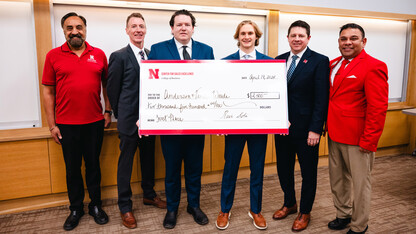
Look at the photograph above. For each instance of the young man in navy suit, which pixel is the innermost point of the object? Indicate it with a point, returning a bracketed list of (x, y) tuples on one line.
[(248, 35), (123, 92), (188, 148), (307, 86)]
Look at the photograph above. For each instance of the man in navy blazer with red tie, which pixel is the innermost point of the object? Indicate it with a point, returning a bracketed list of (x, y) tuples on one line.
[(307, 86), (188, 148)]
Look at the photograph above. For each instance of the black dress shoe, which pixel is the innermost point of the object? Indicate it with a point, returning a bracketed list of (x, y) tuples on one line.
[(73, 219), (198, 214), (352, 232), (339, 224), (170, 219), (100, 217)]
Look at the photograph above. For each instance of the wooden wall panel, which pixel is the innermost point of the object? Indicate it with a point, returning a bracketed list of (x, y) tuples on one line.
[(273, 33), (323, 145), (411, 87), (271, 141), (270, 151), (24, 169), (110, 153), (217, 150), (43, 42), (57, 164), (108, 161), (396, 130)]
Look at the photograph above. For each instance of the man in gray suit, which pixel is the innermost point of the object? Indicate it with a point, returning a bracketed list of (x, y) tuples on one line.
[(123, 92)]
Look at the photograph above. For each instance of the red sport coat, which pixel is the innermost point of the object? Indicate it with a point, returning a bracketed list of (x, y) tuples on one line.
[(358, 102)]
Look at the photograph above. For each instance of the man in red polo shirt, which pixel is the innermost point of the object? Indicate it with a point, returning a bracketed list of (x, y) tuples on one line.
[(72, 77)]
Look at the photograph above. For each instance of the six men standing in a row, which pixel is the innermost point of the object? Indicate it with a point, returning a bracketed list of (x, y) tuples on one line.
[(354, 85)]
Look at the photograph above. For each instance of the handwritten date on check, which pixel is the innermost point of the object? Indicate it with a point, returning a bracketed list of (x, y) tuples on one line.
[(213, 97)]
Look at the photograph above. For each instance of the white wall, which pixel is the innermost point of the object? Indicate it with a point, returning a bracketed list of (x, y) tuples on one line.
[(108, 33), (386, 41)]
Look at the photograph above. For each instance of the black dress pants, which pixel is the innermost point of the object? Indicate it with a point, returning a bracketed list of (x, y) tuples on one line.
[(128, 147), (287, 148), (82, 141)]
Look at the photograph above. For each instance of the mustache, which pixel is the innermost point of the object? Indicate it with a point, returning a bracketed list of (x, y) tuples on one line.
[(76, 35)]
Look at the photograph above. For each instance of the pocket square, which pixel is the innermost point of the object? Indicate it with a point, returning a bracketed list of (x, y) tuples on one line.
[(352, 76)]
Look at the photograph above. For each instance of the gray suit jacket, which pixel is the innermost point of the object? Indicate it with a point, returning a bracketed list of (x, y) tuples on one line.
[(123, 88)]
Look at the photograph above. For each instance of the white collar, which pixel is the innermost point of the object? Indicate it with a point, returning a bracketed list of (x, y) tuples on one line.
[(252, 54), (136, 49), (179, 45), (300, 54), (342, 59)]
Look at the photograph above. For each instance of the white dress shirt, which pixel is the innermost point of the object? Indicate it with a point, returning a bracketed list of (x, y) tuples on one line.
[(252, 55), (136, 51), (289, 60), (336, 68), (180, 48)]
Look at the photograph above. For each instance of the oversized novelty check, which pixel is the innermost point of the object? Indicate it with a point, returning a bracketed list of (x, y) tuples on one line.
[(213, 97)]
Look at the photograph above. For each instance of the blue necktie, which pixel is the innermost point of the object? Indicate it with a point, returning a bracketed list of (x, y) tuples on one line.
[(246, 57), (292, 67)]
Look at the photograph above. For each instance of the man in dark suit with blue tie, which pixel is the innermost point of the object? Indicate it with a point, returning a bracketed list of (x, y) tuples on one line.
[(188, 148), (248, 35), (307, 86), (123, 92)]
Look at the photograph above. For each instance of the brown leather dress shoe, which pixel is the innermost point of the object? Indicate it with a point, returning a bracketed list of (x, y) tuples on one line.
[(285, 211), (223, 220), (301, 222), (128, 220), (258, 220), (159, 203)]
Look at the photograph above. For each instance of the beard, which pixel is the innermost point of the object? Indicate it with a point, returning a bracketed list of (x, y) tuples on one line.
[(76, 41)]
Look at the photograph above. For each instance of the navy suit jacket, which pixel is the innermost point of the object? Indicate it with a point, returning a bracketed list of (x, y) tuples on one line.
[(167, 50), (308, 91), (123, 88), (236, 56)]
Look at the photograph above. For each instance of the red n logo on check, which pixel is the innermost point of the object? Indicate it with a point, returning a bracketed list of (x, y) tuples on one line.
[(153, 73)]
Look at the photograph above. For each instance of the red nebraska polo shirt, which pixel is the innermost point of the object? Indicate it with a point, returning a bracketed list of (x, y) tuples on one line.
[(78, 83)]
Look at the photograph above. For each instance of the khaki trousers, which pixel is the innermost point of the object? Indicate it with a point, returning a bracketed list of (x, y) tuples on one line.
[(350, 179)]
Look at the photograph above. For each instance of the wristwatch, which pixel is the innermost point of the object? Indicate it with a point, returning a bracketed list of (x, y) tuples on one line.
[(108, 111)]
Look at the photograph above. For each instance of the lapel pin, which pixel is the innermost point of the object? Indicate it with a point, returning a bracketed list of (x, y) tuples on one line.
[(305, 61)]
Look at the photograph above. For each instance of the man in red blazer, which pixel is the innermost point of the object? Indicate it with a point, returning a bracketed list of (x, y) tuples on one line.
[(358, 99)]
